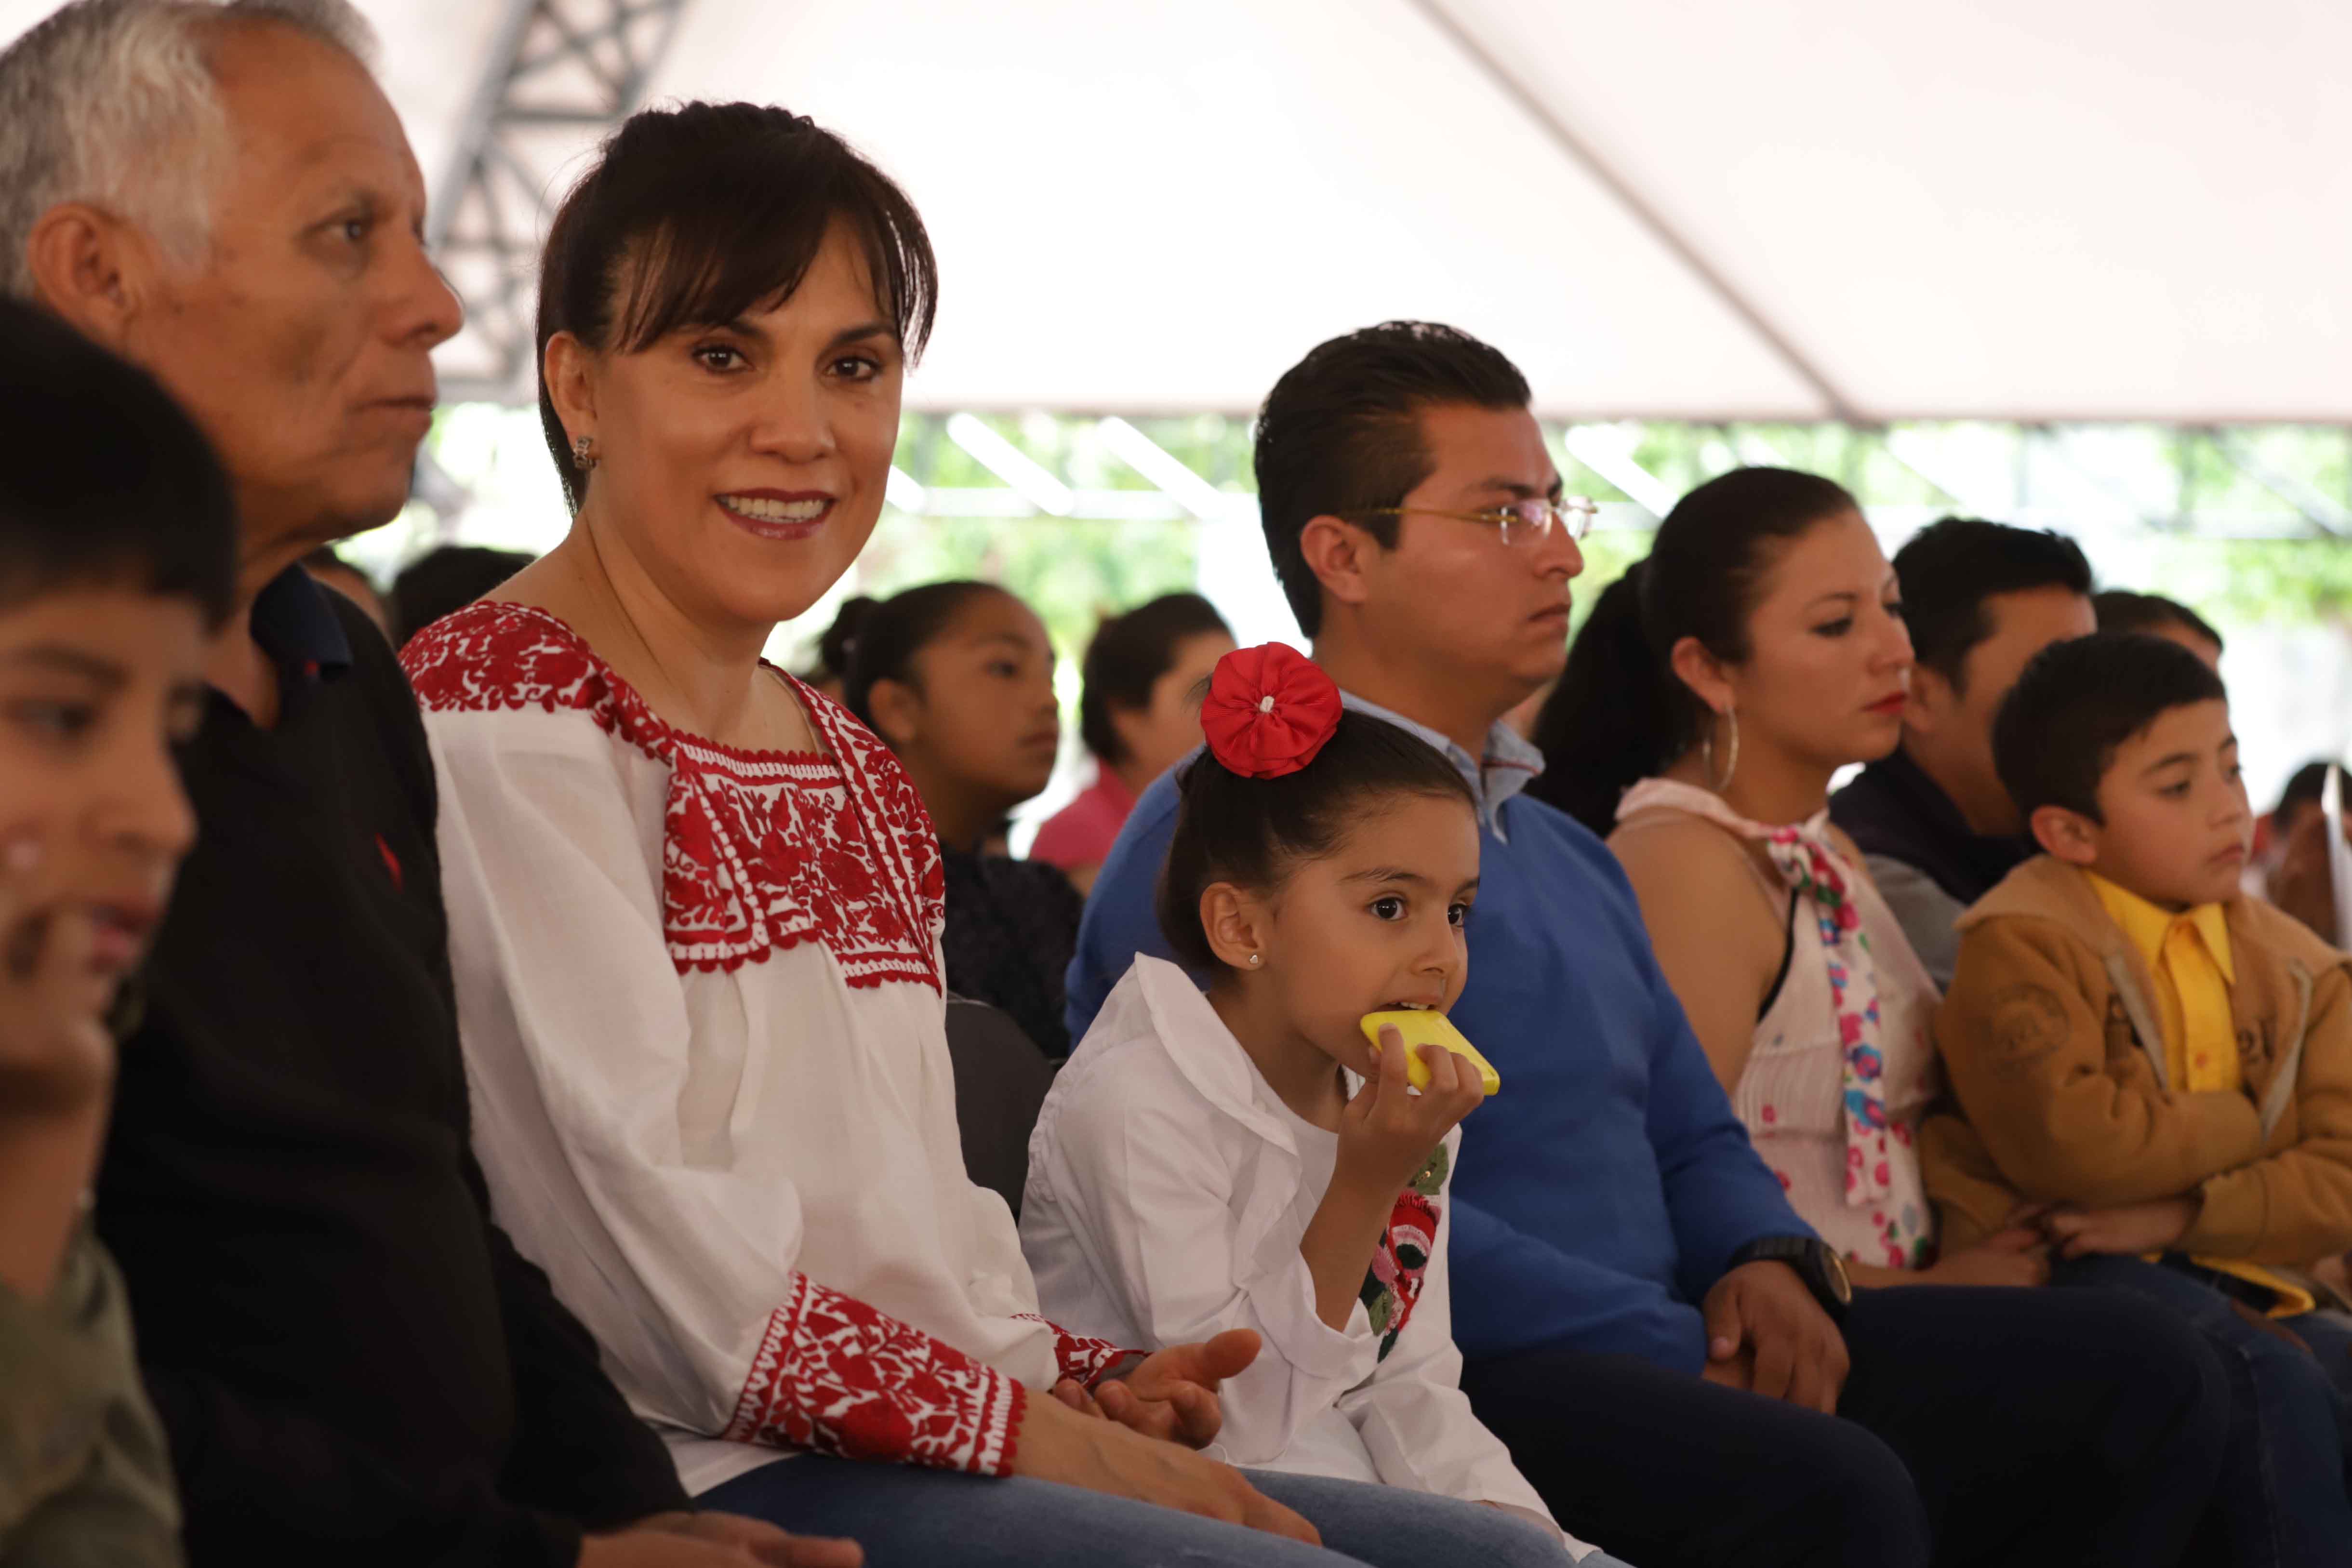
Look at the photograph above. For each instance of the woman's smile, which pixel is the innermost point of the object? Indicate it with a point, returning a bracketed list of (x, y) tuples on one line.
[(777, 514)]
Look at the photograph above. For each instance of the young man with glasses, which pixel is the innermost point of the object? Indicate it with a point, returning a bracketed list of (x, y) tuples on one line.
[(1674, 1359)]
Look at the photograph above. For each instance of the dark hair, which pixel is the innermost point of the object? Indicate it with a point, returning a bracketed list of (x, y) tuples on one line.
[(1950, 568), (448, 579), (2058, 728), (1252, 832), (2303, 789), (1127, 659), (873, 640), (1619, 713), (1340, 434), (2120, 610), (696, 214), (103, 479)]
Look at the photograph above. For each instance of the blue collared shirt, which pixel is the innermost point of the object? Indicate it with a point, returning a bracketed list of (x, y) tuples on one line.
[(297, 627), (1510, 765)]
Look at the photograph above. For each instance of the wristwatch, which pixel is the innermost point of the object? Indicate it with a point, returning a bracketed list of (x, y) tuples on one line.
[(1816, 1263)]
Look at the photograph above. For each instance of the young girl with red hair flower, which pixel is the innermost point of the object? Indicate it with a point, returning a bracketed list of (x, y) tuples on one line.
[(1244, 1158)]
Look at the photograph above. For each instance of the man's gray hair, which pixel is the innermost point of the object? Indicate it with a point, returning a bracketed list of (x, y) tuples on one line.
[(113, 102)]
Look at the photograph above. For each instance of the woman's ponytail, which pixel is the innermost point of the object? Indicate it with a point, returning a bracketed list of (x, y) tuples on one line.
[(1614, 717)]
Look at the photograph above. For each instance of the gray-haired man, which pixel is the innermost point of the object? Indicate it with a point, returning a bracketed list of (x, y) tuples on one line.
[(348, 1354)]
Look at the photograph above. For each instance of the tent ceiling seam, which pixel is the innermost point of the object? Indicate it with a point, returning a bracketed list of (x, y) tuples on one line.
[(1579, 151)]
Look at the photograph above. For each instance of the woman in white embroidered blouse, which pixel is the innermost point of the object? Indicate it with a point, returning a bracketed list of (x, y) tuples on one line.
[(695, 913), (1786, 659)]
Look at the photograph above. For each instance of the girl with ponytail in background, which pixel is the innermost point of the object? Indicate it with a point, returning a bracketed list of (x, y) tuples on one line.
[(957, 680)]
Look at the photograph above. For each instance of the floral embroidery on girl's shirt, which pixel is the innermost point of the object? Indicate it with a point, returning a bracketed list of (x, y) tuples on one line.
[(1392, 1284)]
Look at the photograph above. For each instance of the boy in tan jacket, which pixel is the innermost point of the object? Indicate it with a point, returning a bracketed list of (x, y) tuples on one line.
[(2159, 1067)]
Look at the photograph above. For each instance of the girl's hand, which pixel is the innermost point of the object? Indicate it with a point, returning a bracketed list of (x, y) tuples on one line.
[(1172, 1394), (1387, 1131), (2019, 1255), (2129, 1229)]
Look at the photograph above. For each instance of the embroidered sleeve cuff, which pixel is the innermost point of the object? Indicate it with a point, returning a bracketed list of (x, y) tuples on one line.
[(834, 1375), (1089, 1361)]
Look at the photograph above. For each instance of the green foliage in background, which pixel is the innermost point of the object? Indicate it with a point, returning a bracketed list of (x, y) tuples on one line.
[(2271, 582)]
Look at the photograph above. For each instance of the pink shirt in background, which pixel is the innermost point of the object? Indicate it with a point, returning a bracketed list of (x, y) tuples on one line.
[(1082, 832)]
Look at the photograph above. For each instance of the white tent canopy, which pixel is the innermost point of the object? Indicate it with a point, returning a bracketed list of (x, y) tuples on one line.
[(1735, 209)]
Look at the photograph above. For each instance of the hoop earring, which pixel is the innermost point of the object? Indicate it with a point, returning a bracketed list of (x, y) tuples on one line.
[(1706, 751), (584, 454)]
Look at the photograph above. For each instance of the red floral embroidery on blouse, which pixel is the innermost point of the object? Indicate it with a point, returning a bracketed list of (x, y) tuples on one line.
[(835, 1375), (1392, 1285), (760, 850), (1079, 1356)]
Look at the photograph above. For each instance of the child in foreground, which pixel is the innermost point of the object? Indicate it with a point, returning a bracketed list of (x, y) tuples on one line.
[(116, 566), (2168, 1061), (1202, 1163)]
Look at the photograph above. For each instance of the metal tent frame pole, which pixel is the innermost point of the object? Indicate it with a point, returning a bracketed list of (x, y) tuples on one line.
[(559, 73)]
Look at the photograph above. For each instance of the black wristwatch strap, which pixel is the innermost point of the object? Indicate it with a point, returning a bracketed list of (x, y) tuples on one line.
[(1814, 1263)]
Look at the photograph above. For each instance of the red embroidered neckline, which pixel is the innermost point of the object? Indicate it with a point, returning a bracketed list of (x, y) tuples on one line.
[(762, 849)]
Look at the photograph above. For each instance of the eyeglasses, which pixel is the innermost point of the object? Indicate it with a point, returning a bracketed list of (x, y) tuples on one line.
[(1525, 523)]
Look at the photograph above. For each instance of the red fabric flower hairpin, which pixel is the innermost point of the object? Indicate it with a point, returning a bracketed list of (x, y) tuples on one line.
[(1269, 710)]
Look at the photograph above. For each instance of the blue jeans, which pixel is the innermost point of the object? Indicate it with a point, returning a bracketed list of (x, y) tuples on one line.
[(2281, 1501), (1978, 1428), (936, 1518)]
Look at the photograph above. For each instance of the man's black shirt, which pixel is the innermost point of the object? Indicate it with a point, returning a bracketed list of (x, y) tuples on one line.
[(345, 1350)]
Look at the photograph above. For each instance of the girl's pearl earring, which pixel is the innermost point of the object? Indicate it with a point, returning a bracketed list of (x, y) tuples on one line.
[(1253, 960)]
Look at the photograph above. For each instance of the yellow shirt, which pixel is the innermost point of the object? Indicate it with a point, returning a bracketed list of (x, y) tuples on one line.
[(2189, 955)]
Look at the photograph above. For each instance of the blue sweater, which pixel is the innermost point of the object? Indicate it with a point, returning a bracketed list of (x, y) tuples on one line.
[(1607, 1186)]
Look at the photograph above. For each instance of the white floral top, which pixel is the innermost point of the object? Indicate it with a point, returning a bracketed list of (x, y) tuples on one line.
[(700, 993), (1848, 1161)]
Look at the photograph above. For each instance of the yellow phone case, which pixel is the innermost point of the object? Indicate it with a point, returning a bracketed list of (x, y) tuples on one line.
[(1422, 1029)]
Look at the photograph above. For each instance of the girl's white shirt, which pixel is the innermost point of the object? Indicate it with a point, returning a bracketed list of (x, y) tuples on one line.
[(1166, 1199)]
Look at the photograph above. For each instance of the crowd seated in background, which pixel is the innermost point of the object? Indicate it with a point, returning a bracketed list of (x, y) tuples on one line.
[(1628, 1272), (2121, 610), (1936, 829), (117, 558), (2299, 801), (2291, 866), (1139, 714), (2133, 1037), (1819, 1026), (444, 580), (958, 680)]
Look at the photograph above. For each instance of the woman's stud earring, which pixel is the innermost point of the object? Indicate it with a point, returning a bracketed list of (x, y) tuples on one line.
[(1253, 960), (584, 453)]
